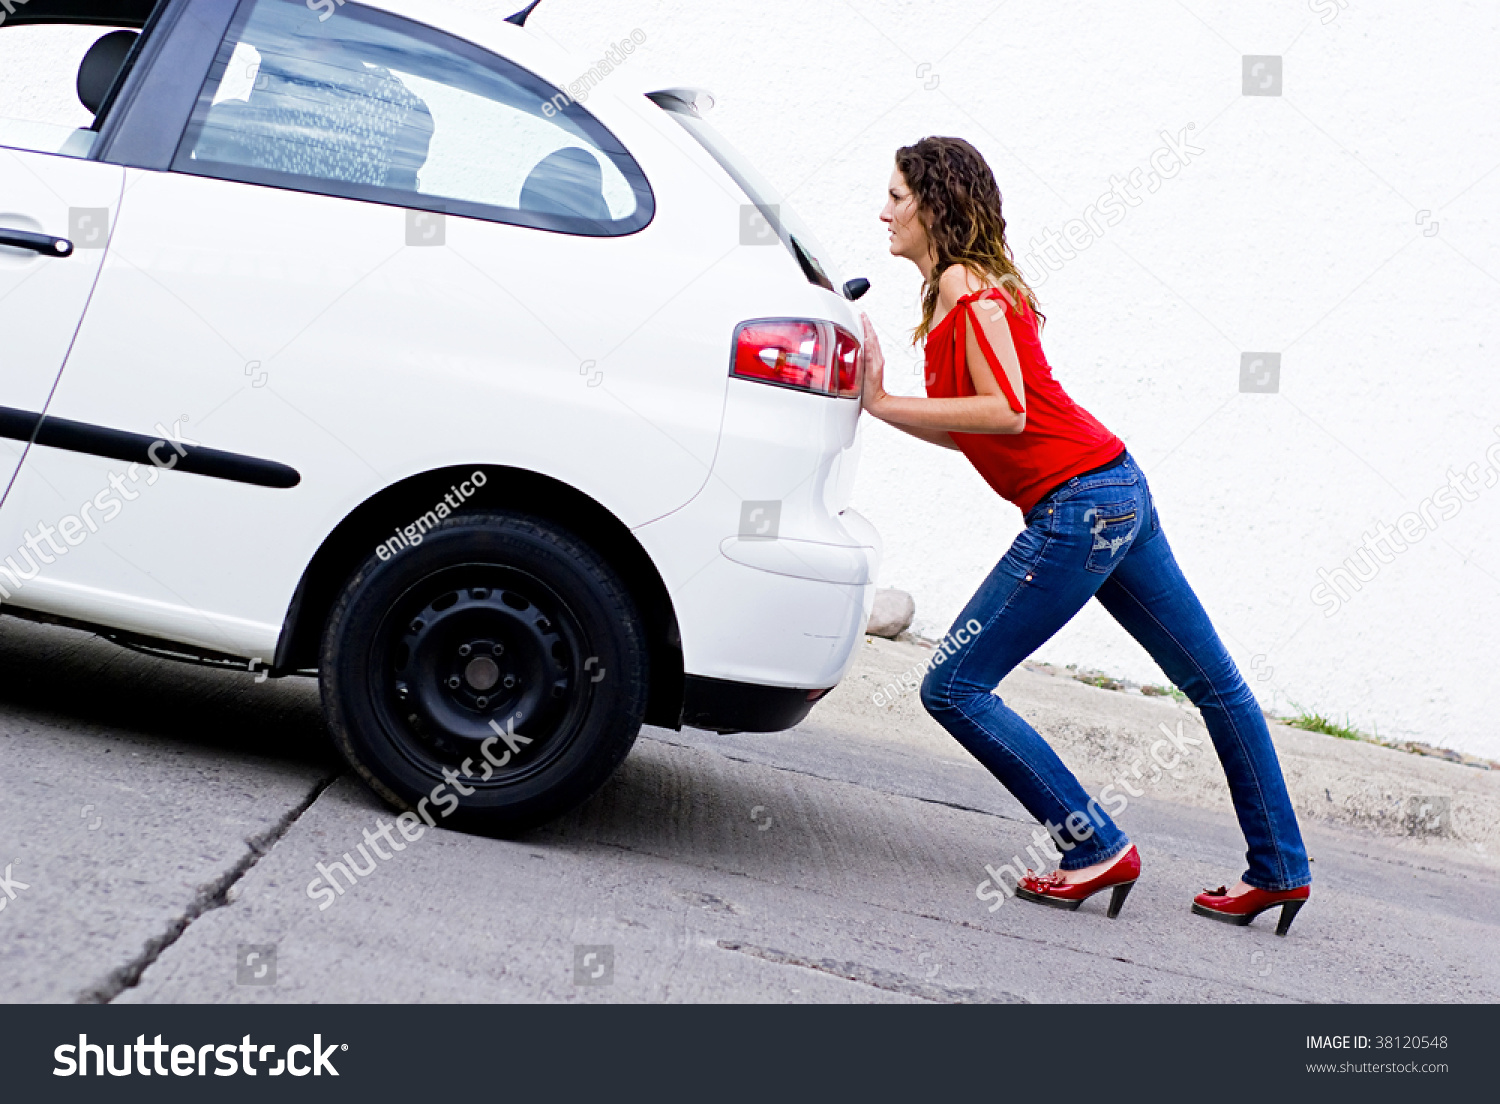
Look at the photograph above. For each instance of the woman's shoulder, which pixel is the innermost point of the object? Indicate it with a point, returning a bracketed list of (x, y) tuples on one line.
[(956, 281)]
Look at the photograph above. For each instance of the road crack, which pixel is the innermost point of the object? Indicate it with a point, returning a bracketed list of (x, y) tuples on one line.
[(887, 980), (213, 895)]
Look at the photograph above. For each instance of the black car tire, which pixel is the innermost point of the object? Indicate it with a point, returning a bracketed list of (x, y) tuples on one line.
[(501, 656)]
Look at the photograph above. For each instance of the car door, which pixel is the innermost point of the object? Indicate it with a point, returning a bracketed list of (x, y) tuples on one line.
[(55, 215)]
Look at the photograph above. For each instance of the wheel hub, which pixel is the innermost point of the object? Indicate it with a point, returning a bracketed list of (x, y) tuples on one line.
[(482, 673), (476, 655)]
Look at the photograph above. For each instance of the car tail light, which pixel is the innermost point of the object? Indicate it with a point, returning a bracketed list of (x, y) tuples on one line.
[(804, 355), (845, 363)]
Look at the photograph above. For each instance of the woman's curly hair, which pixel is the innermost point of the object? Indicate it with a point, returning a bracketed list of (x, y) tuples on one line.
[(959, 203)]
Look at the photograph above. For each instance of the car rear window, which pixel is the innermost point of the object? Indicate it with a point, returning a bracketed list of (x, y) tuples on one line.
[(778, 216)]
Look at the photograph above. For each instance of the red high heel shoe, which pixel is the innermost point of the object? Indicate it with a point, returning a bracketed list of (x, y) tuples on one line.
[(1051, 890), (1218, 905)]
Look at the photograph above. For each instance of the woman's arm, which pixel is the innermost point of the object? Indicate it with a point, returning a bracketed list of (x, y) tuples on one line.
[(873, 377), (986, 411), (931, 436)]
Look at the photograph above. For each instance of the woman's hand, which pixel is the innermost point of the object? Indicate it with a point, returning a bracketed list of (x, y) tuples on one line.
[(874, 397), (872, 368)]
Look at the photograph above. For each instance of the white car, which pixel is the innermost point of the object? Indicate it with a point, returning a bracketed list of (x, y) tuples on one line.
[(385, 342)]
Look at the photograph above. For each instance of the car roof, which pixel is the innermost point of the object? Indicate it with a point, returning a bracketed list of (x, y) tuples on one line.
[(99, 13), (474, 20), (480, 23)]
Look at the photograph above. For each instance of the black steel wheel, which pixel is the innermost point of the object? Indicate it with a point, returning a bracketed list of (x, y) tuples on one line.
[(490, 678)]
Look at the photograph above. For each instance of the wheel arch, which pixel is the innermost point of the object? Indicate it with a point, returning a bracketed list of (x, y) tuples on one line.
[(515, 489)]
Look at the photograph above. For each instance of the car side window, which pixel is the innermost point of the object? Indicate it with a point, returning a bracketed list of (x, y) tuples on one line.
[(372, 106)]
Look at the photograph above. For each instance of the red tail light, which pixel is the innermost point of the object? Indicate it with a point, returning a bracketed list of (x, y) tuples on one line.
[(845, 363), (807, 356)]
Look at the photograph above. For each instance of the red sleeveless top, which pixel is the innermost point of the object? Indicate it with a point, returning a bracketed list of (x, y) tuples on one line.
[(1061, 439)]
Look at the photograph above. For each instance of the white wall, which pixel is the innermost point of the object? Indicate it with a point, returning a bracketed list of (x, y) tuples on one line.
[(1297, 231), (1348, 224)]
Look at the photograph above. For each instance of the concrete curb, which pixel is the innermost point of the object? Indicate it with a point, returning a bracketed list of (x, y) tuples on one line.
[(1418, 802)]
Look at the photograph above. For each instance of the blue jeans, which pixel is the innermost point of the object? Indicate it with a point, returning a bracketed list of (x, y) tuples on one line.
[(1099, 536)]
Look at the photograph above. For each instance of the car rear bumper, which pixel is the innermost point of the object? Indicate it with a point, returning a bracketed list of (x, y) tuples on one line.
[(782, 623), (720, 705)]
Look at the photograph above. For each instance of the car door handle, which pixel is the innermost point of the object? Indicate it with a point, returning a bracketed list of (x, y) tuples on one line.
[(45, 244)]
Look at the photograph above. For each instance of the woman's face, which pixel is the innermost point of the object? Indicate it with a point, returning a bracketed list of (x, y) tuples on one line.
[(904, 221)]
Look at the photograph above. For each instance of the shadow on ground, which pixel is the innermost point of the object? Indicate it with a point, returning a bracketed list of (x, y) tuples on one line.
[(67, 675)]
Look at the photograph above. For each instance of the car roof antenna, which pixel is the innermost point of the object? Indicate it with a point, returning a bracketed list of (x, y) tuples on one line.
[(519, 19)]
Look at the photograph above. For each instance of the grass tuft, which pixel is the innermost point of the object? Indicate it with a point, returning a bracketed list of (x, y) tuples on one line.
[(1103, 682), (1316, 722)]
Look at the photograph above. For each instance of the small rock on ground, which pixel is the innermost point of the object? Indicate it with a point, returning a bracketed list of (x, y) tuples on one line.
[(891, 614)]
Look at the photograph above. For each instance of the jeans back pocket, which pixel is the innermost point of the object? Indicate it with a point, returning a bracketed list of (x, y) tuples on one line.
[(1111, 528)]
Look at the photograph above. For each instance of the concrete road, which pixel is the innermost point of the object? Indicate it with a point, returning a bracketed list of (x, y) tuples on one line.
[(160, 824)]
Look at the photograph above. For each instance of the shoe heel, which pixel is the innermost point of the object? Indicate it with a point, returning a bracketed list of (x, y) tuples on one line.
[(1288, 914), (1117, 898)]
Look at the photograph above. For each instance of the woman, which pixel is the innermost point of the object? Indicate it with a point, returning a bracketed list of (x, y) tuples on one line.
[(1091, 531)]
